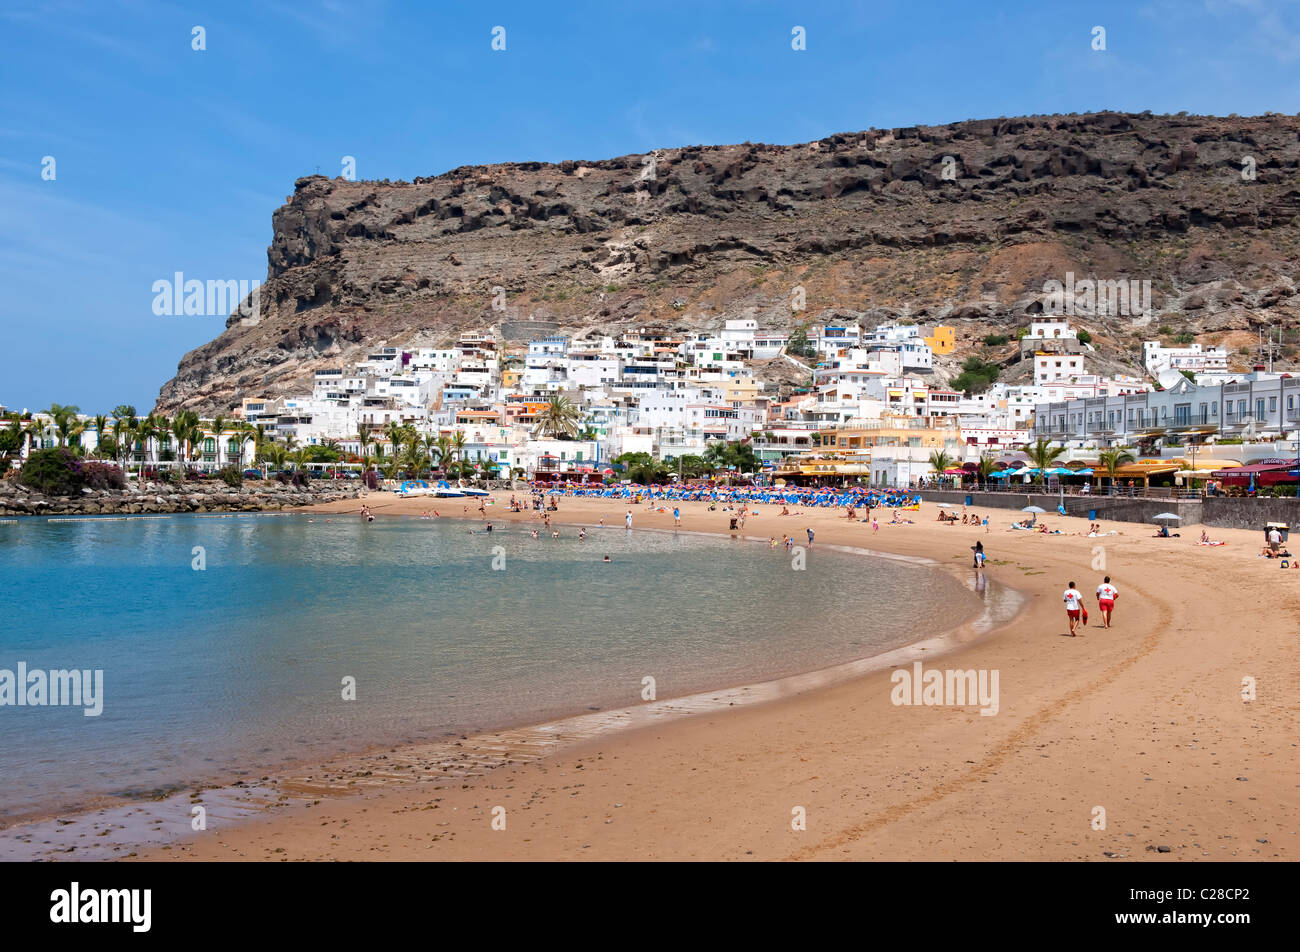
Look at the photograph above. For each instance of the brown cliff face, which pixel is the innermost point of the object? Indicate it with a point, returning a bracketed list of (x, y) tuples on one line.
[(868, 224)]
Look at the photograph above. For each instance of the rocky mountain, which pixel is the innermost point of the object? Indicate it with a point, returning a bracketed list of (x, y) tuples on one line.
[(961, 224)]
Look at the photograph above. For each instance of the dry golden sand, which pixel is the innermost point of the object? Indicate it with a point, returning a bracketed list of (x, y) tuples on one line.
[(1145, 720)]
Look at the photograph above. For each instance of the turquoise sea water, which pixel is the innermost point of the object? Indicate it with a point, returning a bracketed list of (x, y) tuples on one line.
[(237, 669)]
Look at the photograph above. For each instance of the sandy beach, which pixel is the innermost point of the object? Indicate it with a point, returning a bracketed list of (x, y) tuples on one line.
[(1145, 720)]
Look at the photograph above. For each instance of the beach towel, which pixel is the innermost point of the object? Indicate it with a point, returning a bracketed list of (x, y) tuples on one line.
[(1211, 543)]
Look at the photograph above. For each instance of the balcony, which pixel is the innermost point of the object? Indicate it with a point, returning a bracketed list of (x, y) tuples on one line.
[(1234, 421), (1195, 422)]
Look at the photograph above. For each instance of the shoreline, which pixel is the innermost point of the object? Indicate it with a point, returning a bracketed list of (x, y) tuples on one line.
[(137, 819), (1146, 719)]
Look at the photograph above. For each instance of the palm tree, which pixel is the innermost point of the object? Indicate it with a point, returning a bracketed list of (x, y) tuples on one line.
[(275, 454), (65, 422), (101, 424), (1112, 460), (1043, 454), (219, 427), (363, 441), (154, 427), (458, 448), (184, 427), (560, 419), (415, 458), (145, 430), (247, 432), (940, 462), (35, 431), (984, 468), (396, 434), (429, 443), (715, 454), (260, 443), (443, 448), (124, 425)]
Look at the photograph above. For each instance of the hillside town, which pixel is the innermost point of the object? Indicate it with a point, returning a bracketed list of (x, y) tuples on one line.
[(832, 404)]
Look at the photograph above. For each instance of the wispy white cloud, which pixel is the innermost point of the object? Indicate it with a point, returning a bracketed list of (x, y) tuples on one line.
[(1265, 29)]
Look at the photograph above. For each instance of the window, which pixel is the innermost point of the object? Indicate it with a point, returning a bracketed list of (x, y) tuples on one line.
[(1272, 404)]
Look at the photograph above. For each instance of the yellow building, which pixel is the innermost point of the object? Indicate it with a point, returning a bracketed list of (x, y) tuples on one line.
[(893, 431), (942, 341), (510, 378), (741, 390)]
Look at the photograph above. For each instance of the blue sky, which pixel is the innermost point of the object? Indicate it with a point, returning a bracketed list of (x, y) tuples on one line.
[(170, 159)]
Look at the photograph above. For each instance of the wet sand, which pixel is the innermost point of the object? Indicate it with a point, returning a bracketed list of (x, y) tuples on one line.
[(1145, 720)]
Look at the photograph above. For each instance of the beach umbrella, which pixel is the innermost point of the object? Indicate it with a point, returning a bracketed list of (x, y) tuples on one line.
[(1166, 515), (1033, 509)]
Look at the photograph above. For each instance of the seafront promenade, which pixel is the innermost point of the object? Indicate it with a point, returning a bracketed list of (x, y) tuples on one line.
[(1216, 511)]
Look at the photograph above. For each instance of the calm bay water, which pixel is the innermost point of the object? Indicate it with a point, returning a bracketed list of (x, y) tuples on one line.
[(236, 670)]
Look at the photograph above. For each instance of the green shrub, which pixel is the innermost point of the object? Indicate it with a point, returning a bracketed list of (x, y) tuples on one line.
[(976, 375), (1164, 330), (996, 340), (55, 472), (1085, 337), (232, 476), (1184, 338)]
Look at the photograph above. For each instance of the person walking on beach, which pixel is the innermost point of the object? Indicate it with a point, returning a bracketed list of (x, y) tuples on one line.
[(810, 536), (627, 520), (978, 549), (1106, 595), (677, 516), (1073, 607)]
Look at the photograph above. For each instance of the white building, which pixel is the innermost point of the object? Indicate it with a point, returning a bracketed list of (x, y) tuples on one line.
[(1052, 329), (1056, 368), (544, 366), (832, 338), (906, 339), (1190, 358)]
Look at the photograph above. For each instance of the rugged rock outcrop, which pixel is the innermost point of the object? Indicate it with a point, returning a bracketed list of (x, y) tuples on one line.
[(962, 223), (16, 500)]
